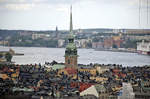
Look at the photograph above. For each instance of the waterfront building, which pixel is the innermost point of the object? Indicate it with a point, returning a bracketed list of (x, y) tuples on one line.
[(99, 45), (138, 38), (71, 49), (4, 43), (39, 36), (136, 31), (61, 43), (82, 43), (108, 43), (143, 47)]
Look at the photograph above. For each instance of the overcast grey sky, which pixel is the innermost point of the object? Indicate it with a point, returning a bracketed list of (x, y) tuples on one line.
[(47, 14)]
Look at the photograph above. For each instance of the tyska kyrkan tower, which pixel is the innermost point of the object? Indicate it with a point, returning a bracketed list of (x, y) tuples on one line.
[(71, 49)]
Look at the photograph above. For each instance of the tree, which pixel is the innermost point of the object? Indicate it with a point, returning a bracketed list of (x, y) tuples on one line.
[(1, 55), (8, 57), (115, 46)]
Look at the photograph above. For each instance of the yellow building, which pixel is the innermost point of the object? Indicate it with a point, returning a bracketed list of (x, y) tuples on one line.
[(99, 79), (62, 71), (116, 38), (4, 76), (116, 88), (84, 70), (90, 70), (2, 60), (101, 69), (14, 75), (94, 70), (68, 71)]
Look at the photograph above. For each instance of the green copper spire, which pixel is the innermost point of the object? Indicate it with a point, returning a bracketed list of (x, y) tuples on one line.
[(71, 47), (71, 55), (71, 25), (71, 36)]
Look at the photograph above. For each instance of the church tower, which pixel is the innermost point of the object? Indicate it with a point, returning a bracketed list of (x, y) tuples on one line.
[(71, 49), (56, 32)]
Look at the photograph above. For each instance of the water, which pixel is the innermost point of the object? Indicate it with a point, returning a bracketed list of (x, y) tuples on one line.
[(34, 55)]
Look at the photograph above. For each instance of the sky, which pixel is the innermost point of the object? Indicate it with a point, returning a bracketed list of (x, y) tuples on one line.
[(47, 14)]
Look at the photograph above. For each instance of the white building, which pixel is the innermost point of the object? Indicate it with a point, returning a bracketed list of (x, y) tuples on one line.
[(61, 43), (37, 36), (78, 43), (143, 47), (127, 92), (82, 43)]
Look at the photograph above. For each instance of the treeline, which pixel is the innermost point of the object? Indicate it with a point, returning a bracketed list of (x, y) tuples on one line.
[(35, 43)]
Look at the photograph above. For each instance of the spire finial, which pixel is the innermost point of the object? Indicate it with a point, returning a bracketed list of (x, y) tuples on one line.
[(71, 25)]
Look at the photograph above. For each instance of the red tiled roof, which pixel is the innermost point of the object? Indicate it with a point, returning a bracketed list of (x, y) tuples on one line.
[(116, 70), (82, 86)]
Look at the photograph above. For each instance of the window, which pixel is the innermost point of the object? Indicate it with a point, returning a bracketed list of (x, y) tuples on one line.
[(68, 61)]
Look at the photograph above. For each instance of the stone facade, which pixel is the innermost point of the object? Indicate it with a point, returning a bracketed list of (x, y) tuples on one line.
[(71, 61)]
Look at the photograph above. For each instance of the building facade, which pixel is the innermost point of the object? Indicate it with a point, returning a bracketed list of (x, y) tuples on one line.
[(127, 92), (143, 47), (39, 36)]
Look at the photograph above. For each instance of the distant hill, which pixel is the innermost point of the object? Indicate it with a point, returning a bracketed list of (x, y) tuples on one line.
[(5, 33), (99, 30)]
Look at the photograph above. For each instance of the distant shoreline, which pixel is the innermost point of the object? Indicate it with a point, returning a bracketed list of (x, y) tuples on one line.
[(116, 50)]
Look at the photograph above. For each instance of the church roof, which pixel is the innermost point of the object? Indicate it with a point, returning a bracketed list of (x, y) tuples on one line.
[(71, 46), (71, 36), (58, 66)]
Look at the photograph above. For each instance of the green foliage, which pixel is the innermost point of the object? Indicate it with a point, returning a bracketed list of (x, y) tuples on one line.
[(28, 42), (8, 57), (1, 55), (95, 39), (114, 46), (129, 44)]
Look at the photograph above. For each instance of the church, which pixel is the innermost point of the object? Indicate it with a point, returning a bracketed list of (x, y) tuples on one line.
[(71, 55)]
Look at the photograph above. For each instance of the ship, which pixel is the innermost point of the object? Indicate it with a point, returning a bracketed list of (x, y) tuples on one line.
[(143, 47)]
